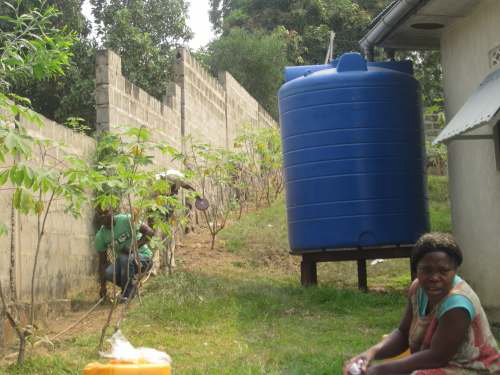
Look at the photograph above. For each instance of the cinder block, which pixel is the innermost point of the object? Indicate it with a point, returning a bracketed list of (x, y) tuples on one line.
[(121, 83), (102, 94), (128, 87), (124, 102), (102, 114), (102, 74)]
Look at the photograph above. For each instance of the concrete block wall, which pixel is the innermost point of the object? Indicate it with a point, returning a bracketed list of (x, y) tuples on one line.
[(241, 108), (120, 103), (203, 101), (65, 265), (265, 119), (198, 105)]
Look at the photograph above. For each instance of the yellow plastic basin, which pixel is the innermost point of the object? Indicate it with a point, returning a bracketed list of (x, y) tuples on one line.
[(126, 368)]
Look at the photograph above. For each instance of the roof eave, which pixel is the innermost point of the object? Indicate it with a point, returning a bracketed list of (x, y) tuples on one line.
[(388, 22)]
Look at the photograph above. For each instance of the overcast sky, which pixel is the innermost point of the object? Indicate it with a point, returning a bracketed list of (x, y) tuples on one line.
[(198, 21)]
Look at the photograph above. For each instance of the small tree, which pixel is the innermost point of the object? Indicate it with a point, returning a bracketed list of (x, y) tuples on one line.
[(30, 47), (124, 179), (261, 162), (214, 171)]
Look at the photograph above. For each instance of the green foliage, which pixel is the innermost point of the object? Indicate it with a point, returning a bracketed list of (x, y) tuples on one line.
[(439, 205), (261, 163), (258, 38), (123, 178), (213, 171), (437, 157), (144, 33), (30, 47), (429, 73), (255, 59), (374, 7), (72, 94), (230, 178), (437, 154), (307, 22)]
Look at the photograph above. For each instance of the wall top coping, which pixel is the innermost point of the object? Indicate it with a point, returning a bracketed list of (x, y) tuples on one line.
[(186, 57)]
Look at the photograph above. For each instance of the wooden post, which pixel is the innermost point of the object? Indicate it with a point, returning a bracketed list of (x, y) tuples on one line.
[(308, 272), (362, 276)]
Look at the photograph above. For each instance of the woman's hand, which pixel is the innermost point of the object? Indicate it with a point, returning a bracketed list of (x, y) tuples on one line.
[(361, 361)]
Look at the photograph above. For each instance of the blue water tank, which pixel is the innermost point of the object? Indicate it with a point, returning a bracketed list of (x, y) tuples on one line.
[(353, 149), (292, 72)]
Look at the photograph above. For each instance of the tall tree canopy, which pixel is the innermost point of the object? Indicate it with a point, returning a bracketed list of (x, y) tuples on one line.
[(257, 65), (308, 23), (302, 27), (144, 33), (70, 95)]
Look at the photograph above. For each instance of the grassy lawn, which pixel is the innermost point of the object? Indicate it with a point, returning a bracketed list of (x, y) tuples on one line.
[(228, 325), (252, 316)]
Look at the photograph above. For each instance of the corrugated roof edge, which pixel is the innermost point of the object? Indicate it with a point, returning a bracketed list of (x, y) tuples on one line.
[(481, 108)]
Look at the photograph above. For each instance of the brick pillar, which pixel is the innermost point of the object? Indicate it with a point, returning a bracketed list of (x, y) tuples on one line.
[(108, 68)]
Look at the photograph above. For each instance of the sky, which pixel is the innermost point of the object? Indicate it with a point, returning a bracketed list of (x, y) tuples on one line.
[(198, 21)]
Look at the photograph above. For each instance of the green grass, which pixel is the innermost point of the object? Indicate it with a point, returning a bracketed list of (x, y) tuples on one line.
[(260, 326), (229, 325), (257, 319)]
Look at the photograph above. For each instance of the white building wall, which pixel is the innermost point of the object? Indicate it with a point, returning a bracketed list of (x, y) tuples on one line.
[(473, 177)]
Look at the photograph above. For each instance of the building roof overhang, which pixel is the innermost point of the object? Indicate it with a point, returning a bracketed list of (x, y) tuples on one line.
[(414, 24), (482, 107)]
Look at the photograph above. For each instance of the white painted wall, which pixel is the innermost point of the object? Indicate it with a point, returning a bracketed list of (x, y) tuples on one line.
[(474, 181)]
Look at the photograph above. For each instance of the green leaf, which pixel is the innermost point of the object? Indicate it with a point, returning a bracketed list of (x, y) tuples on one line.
[(16, 199), (39, 206), (4, 176), (28, 179), (26, 201)]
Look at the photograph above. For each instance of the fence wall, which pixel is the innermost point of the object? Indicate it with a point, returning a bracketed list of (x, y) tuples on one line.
[(65, 265)]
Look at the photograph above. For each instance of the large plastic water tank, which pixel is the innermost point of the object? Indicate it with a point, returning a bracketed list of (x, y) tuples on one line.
[(292, 72), (353, 156)]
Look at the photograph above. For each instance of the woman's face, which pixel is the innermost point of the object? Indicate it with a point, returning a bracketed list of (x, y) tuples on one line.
[(435, 272)]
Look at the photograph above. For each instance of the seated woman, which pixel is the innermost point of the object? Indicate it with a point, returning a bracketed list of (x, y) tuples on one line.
[(444, 325)]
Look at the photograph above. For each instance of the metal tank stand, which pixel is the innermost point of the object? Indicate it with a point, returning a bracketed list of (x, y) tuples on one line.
[(308, 271)]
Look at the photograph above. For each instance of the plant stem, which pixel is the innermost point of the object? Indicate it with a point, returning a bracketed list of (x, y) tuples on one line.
[(41, 232), (16, 326), (12, 269)]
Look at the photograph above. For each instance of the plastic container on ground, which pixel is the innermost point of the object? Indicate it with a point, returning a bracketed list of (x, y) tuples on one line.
[(120, 367)]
